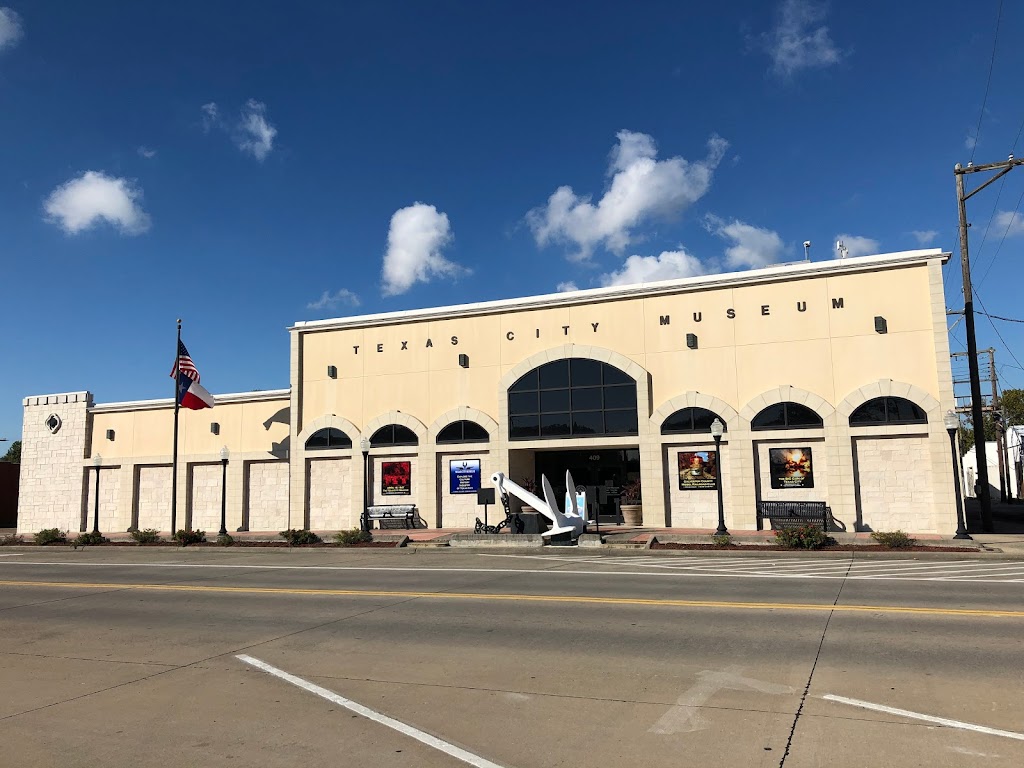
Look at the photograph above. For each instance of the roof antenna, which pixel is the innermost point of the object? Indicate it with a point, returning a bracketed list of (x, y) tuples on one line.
[(843, 250), (807, 250)]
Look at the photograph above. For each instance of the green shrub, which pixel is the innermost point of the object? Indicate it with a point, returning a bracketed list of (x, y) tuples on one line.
[(804, 537), (185, 538), (51, 536), (89, 540), (893, 539), (721, 540), (225, 539), (297, 537), (350, 538), (11, 539), (146, 536)]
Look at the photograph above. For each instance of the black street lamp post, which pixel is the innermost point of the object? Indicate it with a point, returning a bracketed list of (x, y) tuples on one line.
[(96, 460), (717, 430), (952, 422), (224, 491), (364, 519)]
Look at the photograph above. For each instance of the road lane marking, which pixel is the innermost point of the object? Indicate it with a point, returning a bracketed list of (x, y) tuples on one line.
[(414, 733), (12, 554), (927, 718), (506, 597)]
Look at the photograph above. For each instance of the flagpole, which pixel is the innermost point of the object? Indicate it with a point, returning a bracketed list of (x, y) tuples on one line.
[(174, 453)]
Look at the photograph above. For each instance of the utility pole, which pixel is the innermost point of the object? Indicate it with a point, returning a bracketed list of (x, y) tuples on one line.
[(959, 171)]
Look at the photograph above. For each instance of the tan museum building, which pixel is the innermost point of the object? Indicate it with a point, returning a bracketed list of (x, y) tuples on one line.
[(832, 380)]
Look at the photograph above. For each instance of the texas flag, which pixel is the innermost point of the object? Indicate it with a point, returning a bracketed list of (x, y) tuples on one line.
[(192, 394)]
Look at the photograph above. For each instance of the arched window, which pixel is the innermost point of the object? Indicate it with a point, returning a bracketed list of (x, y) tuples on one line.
[(463, 432), (786, 416), (575, 397), (393, 434), (689, 421), (330, 437), (888, 410)]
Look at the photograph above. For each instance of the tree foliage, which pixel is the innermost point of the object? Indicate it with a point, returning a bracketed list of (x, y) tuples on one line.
[(13, 455), (1012, 402)]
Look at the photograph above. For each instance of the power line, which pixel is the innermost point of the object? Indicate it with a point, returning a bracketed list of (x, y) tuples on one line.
[(988, 82), (997, 317), (994, 328), (1009, 223)]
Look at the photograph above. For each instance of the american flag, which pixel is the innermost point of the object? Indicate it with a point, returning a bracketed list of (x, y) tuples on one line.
[(185, 364)]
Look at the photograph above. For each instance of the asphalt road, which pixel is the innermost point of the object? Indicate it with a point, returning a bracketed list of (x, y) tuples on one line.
[(126, 657)]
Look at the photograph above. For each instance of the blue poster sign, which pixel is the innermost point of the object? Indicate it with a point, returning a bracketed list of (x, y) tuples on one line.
[(465, 475)]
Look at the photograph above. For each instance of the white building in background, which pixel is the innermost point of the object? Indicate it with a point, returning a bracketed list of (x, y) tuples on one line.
[(1014, 437)]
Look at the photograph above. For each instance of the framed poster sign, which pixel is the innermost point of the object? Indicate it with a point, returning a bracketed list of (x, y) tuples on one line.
[(698, 470), (396, 478), (790, 467), (464, 475)]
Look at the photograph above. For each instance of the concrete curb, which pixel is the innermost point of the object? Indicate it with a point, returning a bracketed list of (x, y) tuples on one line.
[(505, 541)]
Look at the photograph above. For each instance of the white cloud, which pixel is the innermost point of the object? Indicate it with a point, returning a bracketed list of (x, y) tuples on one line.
[(82, 202), (416, 238), (1010, 222), (255, 133), (647, 269), (970, 142), (11, 30), (751, 246), (567, 287), (333, 300), (146, 152), (641, 187), (210, 116), (858, 246), (798, 40), (925, 236)]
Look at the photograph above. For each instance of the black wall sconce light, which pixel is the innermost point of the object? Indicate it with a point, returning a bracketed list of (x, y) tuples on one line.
[(214, 428), (880, 325), (110, 434), (464, 360), (691, 340), (332, 371)]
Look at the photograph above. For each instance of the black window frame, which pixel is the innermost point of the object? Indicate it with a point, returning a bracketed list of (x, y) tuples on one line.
[(691, 412), (528, 419), (787, 406), (887, 401), (387, 437), (343, 443), (461, 425)]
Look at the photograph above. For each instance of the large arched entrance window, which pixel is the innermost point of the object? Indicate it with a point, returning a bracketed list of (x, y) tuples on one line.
[(888, 410), (787, 415), (575, 397), (326, 439)]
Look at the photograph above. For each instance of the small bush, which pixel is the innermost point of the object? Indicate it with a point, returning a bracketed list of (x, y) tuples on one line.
[(11, 539), (350, 538), (89, 540), (297, 537), (146, 536), (225, 539), (51, 536), (721, 540), (185, 538), (804, 537), (893, 539), (632, 493)]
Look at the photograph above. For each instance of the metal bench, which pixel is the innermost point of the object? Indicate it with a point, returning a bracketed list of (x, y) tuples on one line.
[(793, 514), (392, 512)]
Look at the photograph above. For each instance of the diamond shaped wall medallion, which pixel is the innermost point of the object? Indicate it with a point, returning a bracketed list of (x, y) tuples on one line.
[(53, 423)]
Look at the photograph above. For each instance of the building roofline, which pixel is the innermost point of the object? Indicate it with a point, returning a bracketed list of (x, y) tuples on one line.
[(168, 402), (774, 273)]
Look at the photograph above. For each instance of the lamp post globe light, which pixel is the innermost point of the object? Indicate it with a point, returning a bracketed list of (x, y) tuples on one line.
[(223, 491), (364, 519), (96, 461), (717, 430), (952, 422)]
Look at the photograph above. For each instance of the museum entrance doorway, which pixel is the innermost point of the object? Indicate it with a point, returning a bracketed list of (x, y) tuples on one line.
[(591, 468)]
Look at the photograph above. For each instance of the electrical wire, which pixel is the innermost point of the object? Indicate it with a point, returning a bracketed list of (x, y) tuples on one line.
[(1004, 319), (988, 82), (1009, 224), (994, 328)]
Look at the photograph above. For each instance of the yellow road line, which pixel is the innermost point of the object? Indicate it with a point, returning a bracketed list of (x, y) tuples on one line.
[(526, 598)]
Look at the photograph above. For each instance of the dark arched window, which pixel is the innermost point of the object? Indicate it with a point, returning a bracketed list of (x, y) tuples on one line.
[(393, 434), (688, 421), (786, 416), (888, 410), (575, 397), (330, 437), (463, 432)]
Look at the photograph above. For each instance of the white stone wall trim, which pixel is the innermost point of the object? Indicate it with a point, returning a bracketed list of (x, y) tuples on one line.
[(786, 393), (888, 388), (693, 399), (168, 402), (462, 413)]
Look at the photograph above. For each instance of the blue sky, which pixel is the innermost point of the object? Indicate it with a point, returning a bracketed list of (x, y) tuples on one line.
[(245, 169)]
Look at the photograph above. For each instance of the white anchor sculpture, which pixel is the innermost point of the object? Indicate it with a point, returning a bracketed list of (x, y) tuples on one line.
[(571, 521)]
